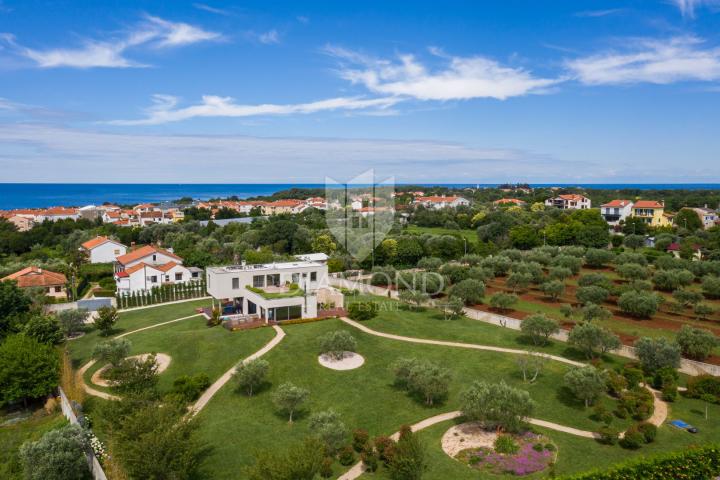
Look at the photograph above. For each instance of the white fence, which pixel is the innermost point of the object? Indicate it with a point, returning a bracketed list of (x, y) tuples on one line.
[(93, 463), (690, 367)]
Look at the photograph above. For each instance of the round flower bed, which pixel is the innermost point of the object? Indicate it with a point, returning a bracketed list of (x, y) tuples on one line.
[(520, 454)]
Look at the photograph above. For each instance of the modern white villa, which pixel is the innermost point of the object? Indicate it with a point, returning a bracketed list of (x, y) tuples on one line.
[(272, 291)]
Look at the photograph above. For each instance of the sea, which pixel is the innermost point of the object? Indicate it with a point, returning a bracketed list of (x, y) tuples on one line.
[(43, 195)]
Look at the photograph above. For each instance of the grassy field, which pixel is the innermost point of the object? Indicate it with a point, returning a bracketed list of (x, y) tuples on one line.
[(13, 436), (469, 234)]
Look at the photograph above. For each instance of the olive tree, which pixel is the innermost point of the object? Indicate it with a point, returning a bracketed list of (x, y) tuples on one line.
[(592, 294), (592, 312), (531, 364), (539, 328), (329, 428), (519, 281), (251, 374), (669, 280), (598, 257), (106, 319), (632, 271), (503, 301), (423, 378), (113, 351), (496, 405), (696, 343), (687, 298), (591, 339), (288, 398), (634, 241), (335, 344), (71, 321), (470, 291), (711, 286), (586, 383), (553, 289), (657, 353), (639, 304), (560, 273)]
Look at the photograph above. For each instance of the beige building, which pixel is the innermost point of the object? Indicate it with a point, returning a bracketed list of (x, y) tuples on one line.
[(34, 277)]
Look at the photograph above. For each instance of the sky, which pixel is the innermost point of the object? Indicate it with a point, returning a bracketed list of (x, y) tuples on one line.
[(562, 91)]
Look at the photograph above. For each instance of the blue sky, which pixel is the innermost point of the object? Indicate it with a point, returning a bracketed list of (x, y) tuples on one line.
[(562, 91)]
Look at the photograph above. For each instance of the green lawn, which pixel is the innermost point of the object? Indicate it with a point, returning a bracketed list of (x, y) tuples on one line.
[(13, 436), (365, 397)]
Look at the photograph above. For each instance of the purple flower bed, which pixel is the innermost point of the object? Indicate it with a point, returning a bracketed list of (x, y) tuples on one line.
[(529, 459)]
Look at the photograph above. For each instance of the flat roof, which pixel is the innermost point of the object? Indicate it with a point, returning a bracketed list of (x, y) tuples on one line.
[(264, 266)]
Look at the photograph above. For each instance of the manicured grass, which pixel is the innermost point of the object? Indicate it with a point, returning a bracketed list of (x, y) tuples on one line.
[(13, 436), (195, 348), (81, 348), (365, 397)]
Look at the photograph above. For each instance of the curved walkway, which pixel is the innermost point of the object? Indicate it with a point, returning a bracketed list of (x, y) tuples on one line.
[(215, 387), (444, 343)]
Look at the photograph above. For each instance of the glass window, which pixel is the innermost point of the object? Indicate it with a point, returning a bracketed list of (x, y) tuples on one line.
[(295, 277), (235, 283), (178, 276), (313, 276), (153, 279), (273, 279), (258, 281), (167, 278), (58, 289)]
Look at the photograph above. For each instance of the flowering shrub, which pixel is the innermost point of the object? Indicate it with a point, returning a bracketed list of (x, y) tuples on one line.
[(534, 453), (97, 446)]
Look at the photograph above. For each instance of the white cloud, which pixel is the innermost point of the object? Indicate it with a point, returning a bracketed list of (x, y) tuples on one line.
[(650, 61), (599, 13), (208, 8), (40, 153), (153, 32), (688, 7), (269, 37), (166, 110), (460, 78)]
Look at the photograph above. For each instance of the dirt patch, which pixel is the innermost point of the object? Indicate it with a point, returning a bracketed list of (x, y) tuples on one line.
[(467, 435), (349, 361)]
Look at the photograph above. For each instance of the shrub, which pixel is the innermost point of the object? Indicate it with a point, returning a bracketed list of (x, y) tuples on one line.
[(113, 351), (657, 353), (703, 385), (496, 405), (586, 383), (703, 311), (360, 439), (632, 271), (28, 369), (687, 298), (669, 280), (608, 435), (408, 461), (638, 304), (370, 460), (431, 264), (539, 328), (251, 374), (591, 338), (58, 455), (616, 383), (107, 317), (633, 439), (696, 343), (596, 257), (505, 444), (597, 279), (637, 402), (384, 446), (45, 329), (568, 261), (326, 470), (503, 301), (669, 392), (648, 431), (592, 294), (361, 311), (470, 291), (711, 286), (422, 377), (189, 388), (560, 273), (335, 344), (346, 457)]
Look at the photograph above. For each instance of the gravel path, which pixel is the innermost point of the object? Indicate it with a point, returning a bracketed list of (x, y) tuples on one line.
[(215, 387)]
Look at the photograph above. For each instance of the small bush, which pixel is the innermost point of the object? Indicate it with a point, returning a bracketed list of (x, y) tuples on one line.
[(506, 444), (346, 456), (189, 388), (326, 470), (370, 460), (608, 435), (633, 439), (648, 431), (361, 311), (360, 439)]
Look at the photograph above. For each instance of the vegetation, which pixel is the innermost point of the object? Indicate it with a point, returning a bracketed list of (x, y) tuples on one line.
[(251, 374), (497, 405), (335, 344), (28, 369), (58, 455), (539, 328)]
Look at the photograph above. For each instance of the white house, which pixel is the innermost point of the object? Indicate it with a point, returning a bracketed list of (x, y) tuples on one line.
[(616, 211), (59, 213), (570, 201), (708, 217), (103, 250), (442, 201), (149, 267), (273, 291)]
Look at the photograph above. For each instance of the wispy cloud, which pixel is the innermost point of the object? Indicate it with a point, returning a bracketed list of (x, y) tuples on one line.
[(152, 32), (650, 61), (599, 13), (208, 8), (43, 153), (166, 109), (458, 78), (269, 37), (689, 7)]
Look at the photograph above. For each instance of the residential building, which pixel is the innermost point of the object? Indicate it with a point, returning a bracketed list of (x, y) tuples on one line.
[(59, 213), (616, 211), (570, 201), (708, 216), (103, 250), (34, 277), (442, 201), (283, 206), (149, 267), (22, 223), (273, 291), (651, 212), (314, 257)]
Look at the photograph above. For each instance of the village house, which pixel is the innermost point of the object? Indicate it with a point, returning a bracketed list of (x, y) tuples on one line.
[(59, 213), (708, 216), (509, 201), (149, 267), (283, 206), (652, 213), (616, 211), (103, 250), (441, 201), (22, 223), (570, 201), (273, 291), (53, 283)]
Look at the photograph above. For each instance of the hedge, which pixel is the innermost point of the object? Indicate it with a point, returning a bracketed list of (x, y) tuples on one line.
[(692, 464), (165, 293)]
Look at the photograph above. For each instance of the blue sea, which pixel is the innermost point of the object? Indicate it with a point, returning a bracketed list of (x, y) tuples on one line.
[(42, 195)]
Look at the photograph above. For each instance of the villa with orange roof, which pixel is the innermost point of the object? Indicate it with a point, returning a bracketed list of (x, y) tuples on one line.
[(283, 206), (33, 277), (149, 267), (616, 211), (570, 201), (103, 249), (651, 212), (59, 213)]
